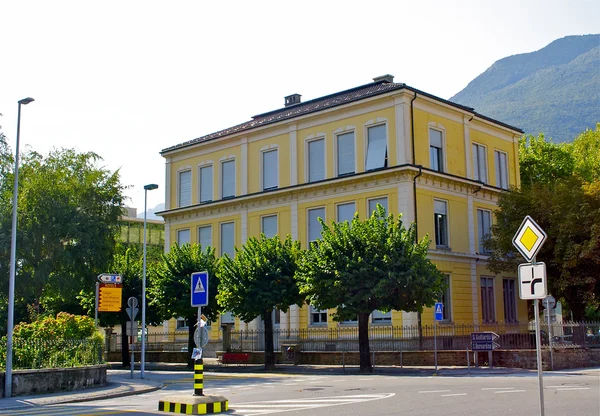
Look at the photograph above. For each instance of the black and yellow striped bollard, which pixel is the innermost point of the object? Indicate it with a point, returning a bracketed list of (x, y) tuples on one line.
[(198, 377)]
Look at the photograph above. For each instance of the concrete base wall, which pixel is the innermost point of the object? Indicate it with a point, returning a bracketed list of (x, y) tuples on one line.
[(55, 379)]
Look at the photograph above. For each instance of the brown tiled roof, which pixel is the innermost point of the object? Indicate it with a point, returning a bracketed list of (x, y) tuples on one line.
[(322, 103)]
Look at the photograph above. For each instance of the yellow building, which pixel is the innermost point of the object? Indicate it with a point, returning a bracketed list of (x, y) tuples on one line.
[(440, 164)]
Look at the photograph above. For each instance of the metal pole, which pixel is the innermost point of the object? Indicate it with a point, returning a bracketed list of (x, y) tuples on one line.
[(539, 354), (96, 311), (550, 341), (13, 254), (143, 352), (131, 347), (435, 343)]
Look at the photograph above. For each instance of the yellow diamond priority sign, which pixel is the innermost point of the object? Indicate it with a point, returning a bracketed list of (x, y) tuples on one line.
[(529, 238)]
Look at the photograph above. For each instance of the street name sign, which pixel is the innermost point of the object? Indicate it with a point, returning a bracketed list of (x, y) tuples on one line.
[(532, 281), (483, 346), (484, 341), (109, 297), (199, 288), (439, 311), (110, 278), (529, 238)]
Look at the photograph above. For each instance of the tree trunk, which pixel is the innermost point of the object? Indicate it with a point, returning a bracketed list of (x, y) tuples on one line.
[(363, 343), (269, 354), (125, 358), (192, 320)]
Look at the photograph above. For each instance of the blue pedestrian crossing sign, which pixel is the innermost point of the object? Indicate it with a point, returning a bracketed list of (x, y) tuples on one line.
[(439, 311), (199, 286)]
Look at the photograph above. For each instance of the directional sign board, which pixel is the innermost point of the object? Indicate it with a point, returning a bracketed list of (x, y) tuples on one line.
[(109, 297), (532, 281), (439, 311), (199, 287), (110, 278), (484, 341), (529, 238)]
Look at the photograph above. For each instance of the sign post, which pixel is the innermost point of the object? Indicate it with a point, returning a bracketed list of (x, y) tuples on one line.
[(532, 281), (438, 316), (199, 298), (132, 311), (549, 303)]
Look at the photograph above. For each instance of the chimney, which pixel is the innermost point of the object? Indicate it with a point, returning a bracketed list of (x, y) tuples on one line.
[(384, 78), (292, 100)]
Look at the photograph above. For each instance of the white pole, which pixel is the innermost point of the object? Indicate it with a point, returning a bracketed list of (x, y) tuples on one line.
[(435, 342), (143, 352), (539, 354)]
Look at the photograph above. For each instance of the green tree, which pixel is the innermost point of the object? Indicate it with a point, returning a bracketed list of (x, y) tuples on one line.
[(67, 224), (567, 207), (259, 279), (362, 266), (169, 285)]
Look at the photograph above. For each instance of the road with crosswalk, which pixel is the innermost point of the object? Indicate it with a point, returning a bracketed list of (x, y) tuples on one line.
[(336, 395)]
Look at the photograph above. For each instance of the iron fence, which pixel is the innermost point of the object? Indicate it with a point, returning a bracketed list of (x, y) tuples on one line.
[(41, 353), (449, 336)]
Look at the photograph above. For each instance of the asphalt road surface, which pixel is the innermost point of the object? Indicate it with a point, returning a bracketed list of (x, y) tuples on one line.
[(335, 395)]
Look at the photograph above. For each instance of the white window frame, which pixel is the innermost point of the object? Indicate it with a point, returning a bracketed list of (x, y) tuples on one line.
[(189, 236), (324, 217), (370, 125), (263, 151), (212, 182), (312, 310), (179, 173), (337, 210), (221, 251), (446, 224), (209, 226), (337, 134), (262, 224), (442, 158), (477, 169), (377, 198), (501, 169), (221, 182), (380, 318), (480, 229), (311, 139)]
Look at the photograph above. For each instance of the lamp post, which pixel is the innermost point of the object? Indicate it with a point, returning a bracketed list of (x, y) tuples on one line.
[(13, 255), (147, 188)]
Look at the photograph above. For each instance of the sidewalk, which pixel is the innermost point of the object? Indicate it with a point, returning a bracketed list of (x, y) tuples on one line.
[(119, 384)]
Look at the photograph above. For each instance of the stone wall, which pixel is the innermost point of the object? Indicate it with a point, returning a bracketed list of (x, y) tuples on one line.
[(55, 379)]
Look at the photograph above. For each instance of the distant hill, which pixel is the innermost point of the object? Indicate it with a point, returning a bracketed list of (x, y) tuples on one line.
[(150, 214), (555, 91)]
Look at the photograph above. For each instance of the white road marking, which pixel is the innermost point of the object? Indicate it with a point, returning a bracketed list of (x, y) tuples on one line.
[(455, 394), (497, 388), (564, 386), (573, 388), (434, 391), (509, 391)]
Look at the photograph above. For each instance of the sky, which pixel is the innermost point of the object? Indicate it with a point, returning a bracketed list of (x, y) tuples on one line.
[(126, 79)]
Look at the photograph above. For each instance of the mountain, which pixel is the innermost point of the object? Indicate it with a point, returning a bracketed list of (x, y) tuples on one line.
[(150, 214), (555, 91)]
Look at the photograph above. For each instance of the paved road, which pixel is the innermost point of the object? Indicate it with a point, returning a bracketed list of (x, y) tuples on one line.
[(386, 394)]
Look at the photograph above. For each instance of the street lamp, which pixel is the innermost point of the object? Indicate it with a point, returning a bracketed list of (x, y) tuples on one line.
[(13, 255), (147, 188)]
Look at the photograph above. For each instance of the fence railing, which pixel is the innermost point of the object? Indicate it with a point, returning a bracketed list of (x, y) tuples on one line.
[(40, 353), (398, 338)]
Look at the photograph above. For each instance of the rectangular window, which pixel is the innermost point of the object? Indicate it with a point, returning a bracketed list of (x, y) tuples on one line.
[(446, 300), (183, 237), (383, 201), (345, 212), (376, 147), (269, 170), (314, 226), (345, 154), (378, 317), (182, 323), (510, 300), (317, 316), (268, 225), (228, 239), (488, 310), (484, 224), (316, 160), (185, 188), (501, 169), (440, 218), (479, 163), (435, 150), (205, 236), (206, 183), (228, 179)]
